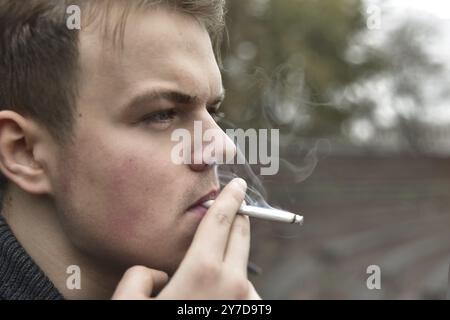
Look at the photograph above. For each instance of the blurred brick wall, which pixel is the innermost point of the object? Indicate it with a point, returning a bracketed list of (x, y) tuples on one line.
[(393, 212)]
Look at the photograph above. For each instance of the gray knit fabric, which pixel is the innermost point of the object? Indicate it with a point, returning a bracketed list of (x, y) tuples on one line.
[(20, 277)]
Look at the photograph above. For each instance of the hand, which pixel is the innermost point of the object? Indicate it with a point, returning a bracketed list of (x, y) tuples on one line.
[(214, 267)]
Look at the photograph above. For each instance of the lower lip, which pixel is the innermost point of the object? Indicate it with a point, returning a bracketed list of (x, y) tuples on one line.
[(199, 209)]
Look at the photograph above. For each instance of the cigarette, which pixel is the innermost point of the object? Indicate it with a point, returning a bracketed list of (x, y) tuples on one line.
[(265, 213)]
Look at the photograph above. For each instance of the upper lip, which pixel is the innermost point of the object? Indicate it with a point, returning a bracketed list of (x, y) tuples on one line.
[(211, 195)]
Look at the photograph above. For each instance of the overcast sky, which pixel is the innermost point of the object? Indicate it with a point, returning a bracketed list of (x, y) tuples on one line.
[(435, 12)]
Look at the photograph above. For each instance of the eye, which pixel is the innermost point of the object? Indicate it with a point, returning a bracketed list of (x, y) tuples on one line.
[(162, 116)]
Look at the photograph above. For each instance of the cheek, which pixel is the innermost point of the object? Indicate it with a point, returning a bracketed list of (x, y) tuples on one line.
[(115, 189), (135, 185), (128, 189), (101, 191), (122, 209)]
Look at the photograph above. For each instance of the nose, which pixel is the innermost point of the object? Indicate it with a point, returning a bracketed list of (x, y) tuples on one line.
[(211, 145)]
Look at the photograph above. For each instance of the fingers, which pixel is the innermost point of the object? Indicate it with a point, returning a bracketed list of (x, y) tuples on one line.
[(215, 266), (160, 279), (213, 232), (253, 295), (238, 249), (138, 283)]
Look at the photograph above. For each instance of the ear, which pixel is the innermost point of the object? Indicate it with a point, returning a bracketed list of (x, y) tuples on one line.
[(25, 153)]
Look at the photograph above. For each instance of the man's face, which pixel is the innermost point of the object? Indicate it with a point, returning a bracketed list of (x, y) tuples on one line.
[(120, 195)]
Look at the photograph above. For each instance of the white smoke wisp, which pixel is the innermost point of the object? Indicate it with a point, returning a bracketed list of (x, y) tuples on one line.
[(284, 105), (257, 194)]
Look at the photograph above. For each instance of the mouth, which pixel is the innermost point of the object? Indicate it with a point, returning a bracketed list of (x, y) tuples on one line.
[(198, 208)]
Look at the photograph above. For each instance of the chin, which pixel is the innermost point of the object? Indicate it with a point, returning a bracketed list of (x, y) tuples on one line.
[(168, 264)]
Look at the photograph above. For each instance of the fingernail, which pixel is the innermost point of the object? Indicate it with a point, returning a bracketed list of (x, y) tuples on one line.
[(240, 183)]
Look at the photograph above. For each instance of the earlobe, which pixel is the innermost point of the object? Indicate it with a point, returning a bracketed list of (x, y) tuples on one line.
[(19, 140)]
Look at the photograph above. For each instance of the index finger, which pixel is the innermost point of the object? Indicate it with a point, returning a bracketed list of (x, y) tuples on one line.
[(213, 232)]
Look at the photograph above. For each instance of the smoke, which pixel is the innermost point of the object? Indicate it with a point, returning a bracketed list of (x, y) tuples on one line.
[(284, 104), (285, 97), (257, 194)]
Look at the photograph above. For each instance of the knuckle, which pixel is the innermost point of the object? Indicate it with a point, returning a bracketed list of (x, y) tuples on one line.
[(208, 271), (223, 219), (239, 287), (140, 270), (242, 226)]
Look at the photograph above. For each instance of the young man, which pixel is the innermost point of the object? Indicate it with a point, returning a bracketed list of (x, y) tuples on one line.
[(85, 143)]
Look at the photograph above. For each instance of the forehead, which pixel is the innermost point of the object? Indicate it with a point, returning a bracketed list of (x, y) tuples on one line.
[(160, 48)]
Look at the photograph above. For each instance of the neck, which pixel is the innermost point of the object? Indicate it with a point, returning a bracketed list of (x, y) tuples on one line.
[(34, 221)]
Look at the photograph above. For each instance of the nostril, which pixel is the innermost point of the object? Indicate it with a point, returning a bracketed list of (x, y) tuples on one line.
[(211, 162), (199, 167)]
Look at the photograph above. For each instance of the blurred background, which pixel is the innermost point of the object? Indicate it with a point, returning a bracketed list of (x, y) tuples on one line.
[(360, 93)]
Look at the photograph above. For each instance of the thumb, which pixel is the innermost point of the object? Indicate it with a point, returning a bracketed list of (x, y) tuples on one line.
[(139, 282)]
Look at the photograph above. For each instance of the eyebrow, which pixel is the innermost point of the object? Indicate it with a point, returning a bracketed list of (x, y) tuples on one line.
[(172, 96)]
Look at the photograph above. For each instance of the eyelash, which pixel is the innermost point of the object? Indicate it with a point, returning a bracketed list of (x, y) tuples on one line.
[(172, 113), (152, 117)]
